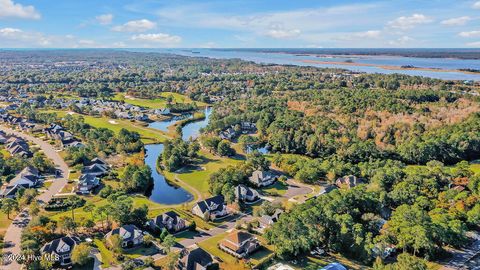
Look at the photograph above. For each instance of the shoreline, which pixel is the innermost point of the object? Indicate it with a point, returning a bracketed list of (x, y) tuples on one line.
[(384, 66)]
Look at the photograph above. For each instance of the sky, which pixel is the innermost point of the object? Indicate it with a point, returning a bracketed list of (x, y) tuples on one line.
[(239, 24)]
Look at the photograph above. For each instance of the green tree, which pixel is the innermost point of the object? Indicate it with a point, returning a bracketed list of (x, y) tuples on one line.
[(80, 253), (9, 205), (168, 242)]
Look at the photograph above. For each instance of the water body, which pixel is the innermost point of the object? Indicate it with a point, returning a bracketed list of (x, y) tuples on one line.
[(162, 191), (293, 59), (192, 130), (163, 125)]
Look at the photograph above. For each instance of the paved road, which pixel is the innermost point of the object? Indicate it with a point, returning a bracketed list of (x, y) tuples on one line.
[(12, 236), (464, 258)]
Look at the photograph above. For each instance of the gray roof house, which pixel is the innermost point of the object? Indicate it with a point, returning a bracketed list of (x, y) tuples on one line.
[(61, 247), (170, 220), (194, 258), (262, 178), (87, 183), (212, 208), (246, 194), (131, 235)]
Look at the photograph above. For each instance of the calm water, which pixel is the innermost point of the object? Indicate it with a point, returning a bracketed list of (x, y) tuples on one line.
[(192, 130), (163, 192), (292, 59), (163, 125)]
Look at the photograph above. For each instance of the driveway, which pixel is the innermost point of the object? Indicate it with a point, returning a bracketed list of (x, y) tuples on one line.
[(14, 232), (462, 258)]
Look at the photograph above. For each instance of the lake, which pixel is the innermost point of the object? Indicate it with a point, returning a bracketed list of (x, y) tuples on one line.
[(163, 125), (162, 191), (192, 130)]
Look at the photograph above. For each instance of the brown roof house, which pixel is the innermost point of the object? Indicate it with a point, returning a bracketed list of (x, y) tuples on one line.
[(239, 244)]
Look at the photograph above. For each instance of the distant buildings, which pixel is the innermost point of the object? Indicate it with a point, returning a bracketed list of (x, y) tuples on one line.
[(211, 208)]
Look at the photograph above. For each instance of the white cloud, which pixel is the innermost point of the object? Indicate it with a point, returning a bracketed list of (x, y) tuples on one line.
[(10, 9), (401, 41), (159, 38), (9, 31), (13, 37), (469, 34), (476, 5), (474, 44), (457, 21), (368, 34), (283, 33), (104, 19), (409, 22), (135, 26)]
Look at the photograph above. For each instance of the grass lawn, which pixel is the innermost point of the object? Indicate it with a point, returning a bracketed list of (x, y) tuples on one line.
[(185, 235), (134, 253), (148, 135), (160, 102), (277, 189), (5, 222), (108, 258), (198, 177)]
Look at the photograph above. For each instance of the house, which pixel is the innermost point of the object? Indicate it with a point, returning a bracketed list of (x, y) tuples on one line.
[(95, 169), (266, 221), (27, 178), (262, 178), (211, 208), (71, 142), (334, 266), (228, 134), (239, 244), (61, 247), (164, 111), (87, 183), (129, 234), (194, 258), (246, 194), (280, 266), (170, 220), (348, 181), (99, 161)]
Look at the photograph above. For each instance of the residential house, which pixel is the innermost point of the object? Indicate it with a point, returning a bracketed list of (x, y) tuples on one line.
[(246, 194), (228, 134), (262, 178), (87, 183), (211, 208), (95, 169), (130, 235), (266, 221), (239, 244), (164, 111), (61, 247), (170, 220), (195, 258), (334, 266), (349, 181), (280, 266)]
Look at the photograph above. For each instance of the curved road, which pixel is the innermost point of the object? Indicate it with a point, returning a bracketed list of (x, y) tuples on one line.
[(13, 233)]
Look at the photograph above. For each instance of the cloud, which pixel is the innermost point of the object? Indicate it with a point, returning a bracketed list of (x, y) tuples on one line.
[(368, 34), (409, 22), (469, 34), (474, 44), (13, 37), (283, 33), (403, 40), (456, 21), (135, 26), (159, 38), (104, 19), (476, 5), (10, 9), (9, 31)]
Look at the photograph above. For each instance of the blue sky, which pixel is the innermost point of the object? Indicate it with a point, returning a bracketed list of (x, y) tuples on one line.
[(235, 23)]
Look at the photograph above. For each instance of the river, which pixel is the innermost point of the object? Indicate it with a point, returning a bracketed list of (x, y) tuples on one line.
[(164, 192), (445, 66)]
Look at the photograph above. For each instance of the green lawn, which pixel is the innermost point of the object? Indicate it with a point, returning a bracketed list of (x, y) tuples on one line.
[(277, 189), (148, 135), (160, 102), (107, 256), (198, 177)]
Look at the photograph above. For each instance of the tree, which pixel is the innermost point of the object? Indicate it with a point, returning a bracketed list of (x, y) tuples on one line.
[(115, 243), (68, 224), (9, 205), (168, 242), (225, 149), (74, 201), (148, 239), (80, 253), (89, 207), (406, 261), (34, 209)]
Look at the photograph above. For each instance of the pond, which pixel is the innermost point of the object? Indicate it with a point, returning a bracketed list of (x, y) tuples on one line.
[(163, 125), (192, 130), (162, 191)]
